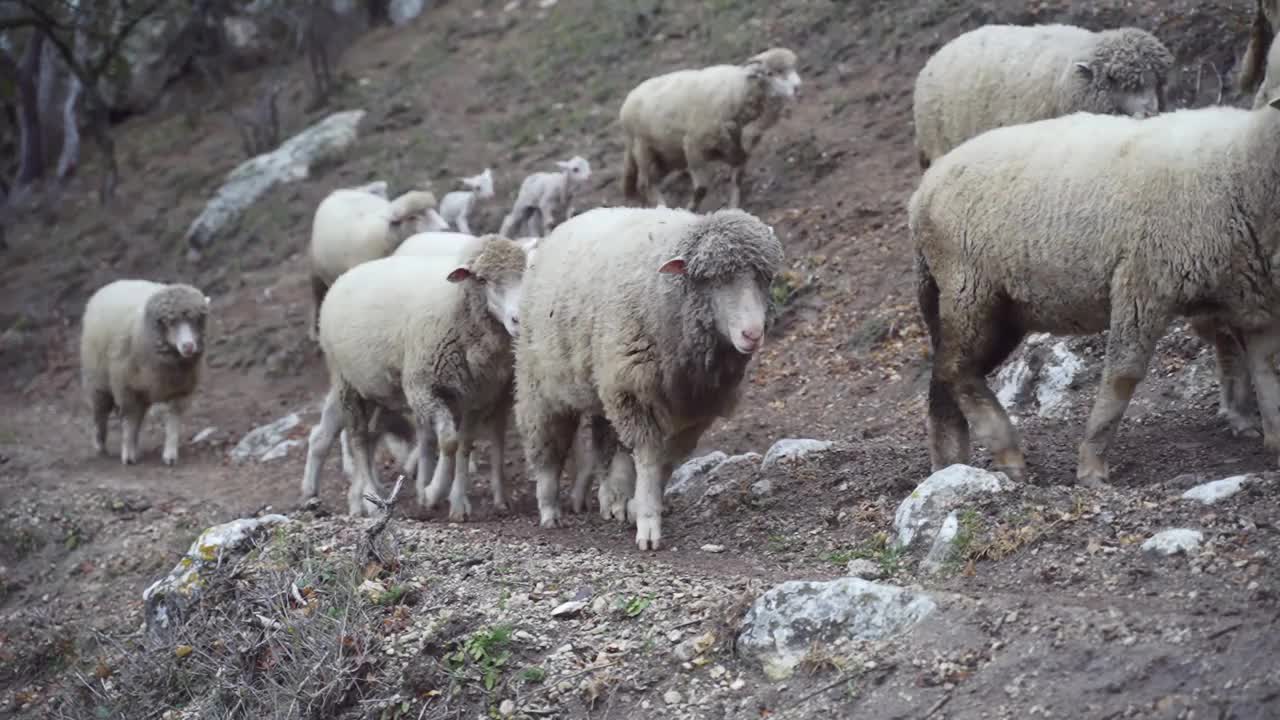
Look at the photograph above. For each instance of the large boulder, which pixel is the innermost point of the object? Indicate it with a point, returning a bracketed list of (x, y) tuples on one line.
[(251, 179)]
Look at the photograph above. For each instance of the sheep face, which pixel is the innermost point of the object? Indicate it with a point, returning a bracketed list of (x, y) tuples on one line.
[(481, 185), (498, 272), (1135, 94), (577, 169), (777, 68), (738, 304), (177, 315)]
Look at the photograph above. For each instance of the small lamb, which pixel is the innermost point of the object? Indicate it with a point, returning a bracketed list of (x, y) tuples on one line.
[(456, 206), (1000, 75), (546, 196), (643, 320), (427, 338), (352, 226), (142, 343), (689, 118)]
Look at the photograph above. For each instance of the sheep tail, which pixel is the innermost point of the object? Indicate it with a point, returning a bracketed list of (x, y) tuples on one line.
[(927, 296), (630, 171)]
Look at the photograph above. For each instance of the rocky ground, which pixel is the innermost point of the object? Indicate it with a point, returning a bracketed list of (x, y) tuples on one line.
[(1045, 601)]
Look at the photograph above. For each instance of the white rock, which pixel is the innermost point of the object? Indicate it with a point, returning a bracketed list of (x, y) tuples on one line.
[(940, 552), (712, 548), (737, 684), (261, 441), (928, 505), (671, 697), (568, 609), (1172, 542), (280, 450), (864, 568), (203, 435), (691, 476), (790, 449), (290, 162), (1038, 380), (783, 625), (1211, 492), (167, 599), (507, 708)]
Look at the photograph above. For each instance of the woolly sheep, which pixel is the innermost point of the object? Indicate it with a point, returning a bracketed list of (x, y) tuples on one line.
[(1001, 75), (456, 206), (643, 320), (352, 226), (1085, 223), (546, 196), (427, 338), (141, 343), (688, 118)]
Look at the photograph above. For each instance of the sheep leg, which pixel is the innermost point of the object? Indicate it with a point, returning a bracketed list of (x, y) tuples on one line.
[(946, 426), (699, 174), (446, 437), (646, 166), (102, 403), (648, 497), (459, 505), (511, 222), (548, 437), (462, 224), (1131, 340), (132, 411), (735, 186), (1235, 391), (427, 461), (618, 489), (588, 457), (318, 290), (496, 429), (355, 411), (1261, 349), (319, 441), (173, 429)]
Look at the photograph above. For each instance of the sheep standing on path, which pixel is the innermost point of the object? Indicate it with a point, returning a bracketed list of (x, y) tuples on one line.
[(456, 206), (1095, 222), (141, 343), (427, 338), (645, 318), (352, 226), (688, 119), (546, 196), (1000, 75)]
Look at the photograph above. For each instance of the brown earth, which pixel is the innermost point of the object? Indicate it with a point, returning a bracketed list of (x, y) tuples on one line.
[(1057, 613)]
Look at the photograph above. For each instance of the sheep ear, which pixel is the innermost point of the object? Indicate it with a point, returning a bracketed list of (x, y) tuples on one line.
[(459, 274), (207, 300), (1083, 69), (674, 266), (564, 164)]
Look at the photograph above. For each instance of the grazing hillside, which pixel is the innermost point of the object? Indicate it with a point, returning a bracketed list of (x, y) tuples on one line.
[(1048, 605)]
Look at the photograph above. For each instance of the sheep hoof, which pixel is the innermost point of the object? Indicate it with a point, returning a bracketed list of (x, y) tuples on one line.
[(631, 515), (170, 458), (550, 517), (1241, 425), (502, 508), (128, 458), (649, 532), (578, 504), (460, 511), (1092, 477)]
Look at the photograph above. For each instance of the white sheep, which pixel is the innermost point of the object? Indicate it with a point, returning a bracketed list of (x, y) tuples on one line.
[(1001, 75), (686, 119), (456, 206), (142, 343), (352, 226), (547, 196), (1090, 222), (643, 320), (427, 338)]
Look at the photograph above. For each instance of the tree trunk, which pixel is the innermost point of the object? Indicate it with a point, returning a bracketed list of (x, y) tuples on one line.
[(97, 127), (70, 156), (30, 137)]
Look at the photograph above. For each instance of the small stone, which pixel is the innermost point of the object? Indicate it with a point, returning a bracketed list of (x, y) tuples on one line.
[(674, 636), (717, 672), (737, 684), (1173, 542), (789, 449), (713, 548), (507, 708), (671, 697), (864, 568), (203, 435), (1211, 492), (568, 609)]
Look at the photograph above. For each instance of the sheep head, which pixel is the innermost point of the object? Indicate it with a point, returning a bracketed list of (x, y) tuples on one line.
[(496, 269), (481, 185), (576, 169), (177, 315), (414, 212), (1125, 73), (777, 68)]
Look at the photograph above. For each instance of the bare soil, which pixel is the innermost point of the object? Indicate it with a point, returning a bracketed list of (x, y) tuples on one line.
[(1055, 613)]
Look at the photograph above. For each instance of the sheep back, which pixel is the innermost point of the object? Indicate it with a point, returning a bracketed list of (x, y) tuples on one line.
[(1066, 217), (601, 326), (999, 75), (697, 102)]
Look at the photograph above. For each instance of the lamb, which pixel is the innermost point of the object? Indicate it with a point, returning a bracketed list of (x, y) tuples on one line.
[(1089, 222), (456, 206), (688, 118), (643, 320), (427, 338), (142, 343), (546, 196), (1001, 75), (353, 225)]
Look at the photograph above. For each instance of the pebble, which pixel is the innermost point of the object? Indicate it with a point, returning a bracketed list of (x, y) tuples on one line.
[(507, 708), (568, 609), (737, 684), (713, 548), (671, 697)]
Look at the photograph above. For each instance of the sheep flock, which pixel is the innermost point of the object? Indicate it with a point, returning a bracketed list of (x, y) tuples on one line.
[(1059, 194)]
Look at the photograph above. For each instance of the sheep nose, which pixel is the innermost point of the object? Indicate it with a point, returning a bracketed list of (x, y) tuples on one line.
[(187, 348), (753, 334)]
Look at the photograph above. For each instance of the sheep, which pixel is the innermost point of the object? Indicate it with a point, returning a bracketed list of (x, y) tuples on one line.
[(142, 343), (642, 320), (547, 195), (353, 225), (1001, 75), (1087, 222), (456, 206), (688, 118), (427, 338), (1261, 35)]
